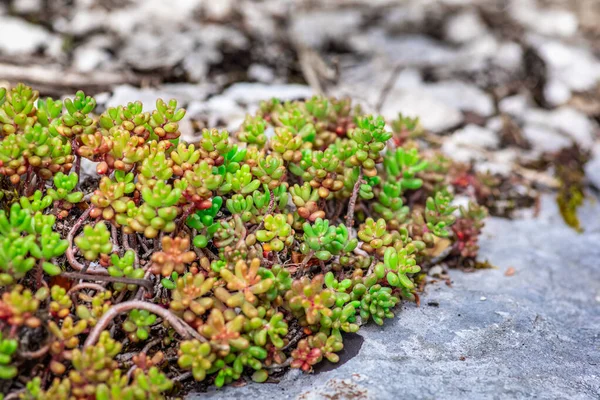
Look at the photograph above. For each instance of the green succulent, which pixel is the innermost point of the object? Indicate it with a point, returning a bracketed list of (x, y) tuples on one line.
[(138, 324), (36, 202), (308, 298), (158, 212), (65, 186), (164, 121), (204, 222), (124, 267), (374, 235), (26, 239), (94, 241), (184, 158), (270, 170), (214, 145), (439, 213), (77, 120), (376, 301), (326, 241), (8, 347), (17, 107), (242, 181), (402, 166), (396, 266), (273, 330), (277, 233), (131, 118), (370, 137), (110, 200), (253, 131)]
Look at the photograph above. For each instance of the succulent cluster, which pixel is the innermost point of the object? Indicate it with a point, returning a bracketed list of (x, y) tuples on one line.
[(234, 256)]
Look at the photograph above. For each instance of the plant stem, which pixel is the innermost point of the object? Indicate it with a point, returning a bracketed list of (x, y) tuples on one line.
[(183, 329), (128, 281), (352, 203), (115, 239), (76, 265), (30, 355), (127, 246), (284, 364), (88, 285)]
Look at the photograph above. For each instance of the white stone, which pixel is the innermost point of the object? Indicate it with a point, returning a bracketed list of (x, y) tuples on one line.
[(514, 105), (218, 111), (408, 78), (544, 139), (315, 29), (463, 96), (556, 93), (89, 58), (410, 50), (576, 67), (546, 21), (464, 27), (509, 56), (83, 21), (500, 164), (20, 37), (592, 171), (167, 14), (476, 136), (218, 10), (26, 6), (247, 93), (565, 120), (495, 124), (261, 73), (434, 113), (406, 16), (466, 144), (197, 63), (183, 93)]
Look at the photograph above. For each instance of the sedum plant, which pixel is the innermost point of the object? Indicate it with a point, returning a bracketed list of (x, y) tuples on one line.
[(230, 257)]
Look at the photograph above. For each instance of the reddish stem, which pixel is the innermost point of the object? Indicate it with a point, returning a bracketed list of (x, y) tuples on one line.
[(351, 204), (87, 285), (183, 329), (76, 265)]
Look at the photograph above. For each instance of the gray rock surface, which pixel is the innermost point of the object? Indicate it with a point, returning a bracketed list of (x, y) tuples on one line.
[(534, 334)]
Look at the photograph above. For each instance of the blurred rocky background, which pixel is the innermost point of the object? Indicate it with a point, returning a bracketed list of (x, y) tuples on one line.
[(519, 76), (503, 84)]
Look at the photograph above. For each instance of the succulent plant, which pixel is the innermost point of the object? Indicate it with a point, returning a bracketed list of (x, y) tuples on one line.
[(370, 138), (61, 303), (327, 241), (137, 324), (264, 211), (277, 233), (253, 131), (396, 265), (308, 298), (189, 297), (124, 267), (66, 339), (94, 241), (8, 347), (174, 256), (65, 186), (196, 356), (439, 214), (376, 301), (158, 212), (224, 335), (374, 235)]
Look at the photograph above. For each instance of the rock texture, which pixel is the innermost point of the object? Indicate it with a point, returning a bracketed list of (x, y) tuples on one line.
[(532, 334)]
